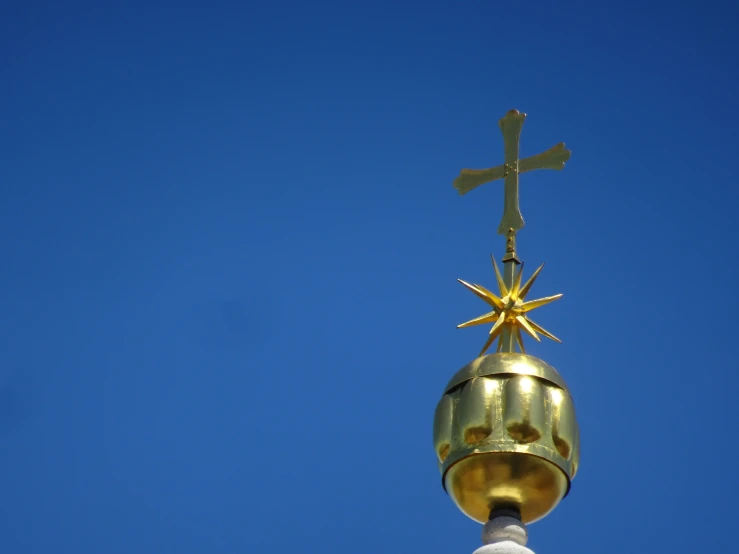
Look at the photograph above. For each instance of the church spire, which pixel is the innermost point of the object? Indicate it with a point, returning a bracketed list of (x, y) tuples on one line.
[(505, 432)]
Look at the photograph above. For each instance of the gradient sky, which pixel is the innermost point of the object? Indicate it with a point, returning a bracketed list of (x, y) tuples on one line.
[(229, 249)]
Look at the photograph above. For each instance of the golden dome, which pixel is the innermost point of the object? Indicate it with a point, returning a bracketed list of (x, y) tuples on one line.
[(506, 436)]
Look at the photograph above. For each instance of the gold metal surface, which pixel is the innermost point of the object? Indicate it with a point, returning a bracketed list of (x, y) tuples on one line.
[(506, 364), (506, 435), (554, 158), (484, 482), (509, 311), (505, 430)]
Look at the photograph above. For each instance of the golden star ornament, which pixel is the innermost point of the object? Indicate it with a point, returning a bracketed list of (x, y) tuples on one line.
[(510, 309)]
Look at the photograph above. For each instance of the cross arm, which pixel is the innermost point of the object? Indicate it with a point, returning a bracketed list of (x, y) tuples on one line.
[(471, 178), (554, 158)]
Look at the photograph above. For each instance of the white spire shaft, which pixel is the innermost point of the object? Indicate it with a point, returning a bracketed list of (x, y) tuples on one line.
[(504, 535)]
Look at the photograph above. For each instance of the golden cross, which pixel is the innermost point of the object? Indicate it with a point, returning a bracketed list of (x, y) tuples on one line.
[(554, 158)]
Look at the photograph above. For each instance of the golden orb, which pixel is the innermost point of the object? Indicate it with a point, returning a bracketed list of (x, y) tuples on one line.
[(506, 436)]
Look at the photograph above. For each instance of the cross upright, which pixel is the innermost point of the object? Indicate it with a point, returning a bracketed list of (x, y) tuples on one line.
[(554, 158)]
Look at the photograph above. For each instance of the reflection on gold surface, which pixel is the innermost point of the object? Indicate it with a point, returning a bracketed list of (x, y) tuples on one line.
[(525, 419), (506, 435), (506, 363), (443, 427), (483, 482)]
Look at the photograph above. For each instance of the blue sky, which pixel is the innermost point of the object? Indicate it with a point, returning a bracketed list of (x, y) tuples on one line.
[(230, 247)]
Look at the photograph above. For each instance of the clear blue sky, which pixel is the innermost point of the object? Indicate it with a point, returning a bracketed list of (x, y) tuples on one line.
[(229, 249)]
